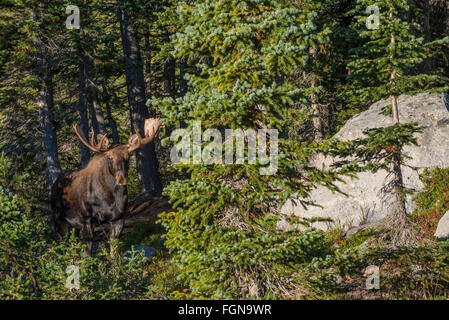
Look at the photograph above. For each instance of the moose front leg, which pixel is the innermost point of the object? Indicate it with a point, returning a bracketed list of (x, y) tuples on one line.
[(116, 228), (88, 234)]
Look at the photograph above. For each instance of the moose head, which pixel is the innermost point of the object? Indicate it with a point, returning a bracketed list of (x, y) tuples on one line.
[(117, 157)]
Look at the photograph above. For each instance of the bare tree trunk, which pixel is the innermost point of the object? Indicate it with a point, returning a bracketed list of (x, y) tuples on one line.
[(93, 118), (317, 112), (97, 116), (169, 72), (169, 76), (82, 96), (317, 123), (111, 122), (82, 109), (426, 29), (147, 163), (394, 109), (182, 80), (398, 221), (44, 100), (148, 68), (96, 112)]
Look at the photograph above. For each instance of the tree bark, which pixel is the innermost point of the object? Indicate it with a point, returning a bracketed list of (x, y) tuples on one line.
[(97, 116), (317, 123), (147, 163), (82, 109), (426, 29), (395, 115), (82, 95), (182, 80), (317, 113), (111, 122), (394, 108), (169, 72), (96, 112), (169, 76), (148, 68), (398, 221), (44, 100)]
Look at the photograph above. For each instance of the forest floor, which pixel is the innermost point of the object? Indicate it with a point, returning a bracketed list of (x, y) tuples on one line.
[(403, 273)]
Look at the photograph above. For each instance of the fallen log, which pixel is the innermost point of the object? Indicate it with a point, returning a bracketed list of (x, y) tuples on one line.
[(145, 207)]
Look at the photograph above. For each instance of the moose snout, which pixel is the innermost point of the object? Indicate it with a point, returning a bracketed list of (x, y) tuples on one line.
[(121, 179)]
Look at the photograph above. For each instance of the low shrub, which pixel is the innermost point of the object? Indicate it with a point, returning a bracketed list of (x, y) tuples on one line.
[(433, 202)]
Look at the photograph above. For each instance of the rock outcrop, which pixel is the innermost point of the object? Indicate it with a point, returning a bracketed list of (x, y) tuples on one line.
[(442, 231), (366, 203)]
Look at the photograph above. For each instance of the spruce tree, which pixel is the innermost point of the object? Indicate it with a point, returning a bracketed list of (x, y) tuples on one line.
[(224, 232), (387, 64)]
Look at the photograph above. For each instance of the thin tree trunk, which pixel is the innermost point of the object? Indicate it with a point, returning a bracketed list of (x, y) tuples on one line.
[(111, 122), (82, 109), (44, 100), (97, 116), (426, 29), (317, 112), (148, 68), (317, 124), (182, 80), (147, 163), (394, 109), (169, 76), (82, 96), (96, 112), (398, 220), (93, 119), (169, 72)]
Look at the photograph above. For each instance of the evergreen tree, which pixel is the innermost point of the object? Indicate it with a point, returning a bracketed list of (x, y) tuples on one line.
[(387, 65), (224, 231)]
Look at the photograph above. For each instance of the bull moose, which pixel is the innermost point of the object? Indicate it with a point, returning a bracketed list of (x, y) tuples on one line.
[(97, 194)]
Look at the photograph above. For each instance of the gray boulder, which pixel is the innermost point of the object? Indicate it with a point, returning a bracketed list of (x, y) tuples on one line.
[(442, 231), (366, 203)]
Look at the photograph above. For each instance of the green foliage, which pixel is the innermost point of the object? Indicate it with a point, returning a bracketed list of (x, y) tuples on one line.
[(387, 110), (148, 234), (250, 64), (433, 202), (33, 265), (412, 273), (224, 232), (405, 273), (380, 146), (387, 62), (220, 262)]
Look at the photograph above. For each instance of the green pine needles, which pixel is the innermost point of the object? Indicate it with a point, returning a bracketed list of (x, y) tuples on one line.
[(223, 233), (391, 59)]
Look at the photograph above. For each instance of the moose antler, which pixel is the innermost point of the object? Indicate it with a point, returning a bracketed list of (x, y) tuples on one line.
[(101, 138), (152, 126), (92, 146)]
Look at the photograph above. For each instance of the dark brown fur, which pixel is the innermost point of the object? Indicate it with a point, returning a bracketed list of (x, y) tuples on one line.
[(98, 193), (93, 195)]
